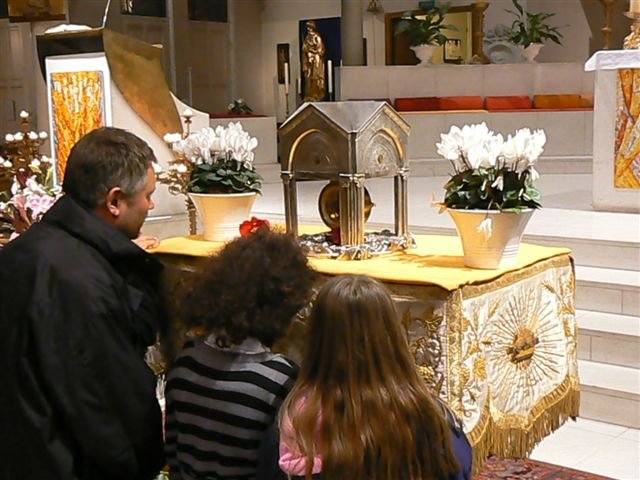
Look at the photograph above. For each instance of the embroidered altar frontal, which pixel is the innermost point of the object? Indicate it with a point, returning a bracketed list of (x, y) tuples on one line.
[(498, 345)]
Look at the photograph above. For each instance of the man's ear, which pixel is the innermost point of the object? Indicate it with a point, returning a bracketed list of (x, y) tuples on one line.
[(113, 201)]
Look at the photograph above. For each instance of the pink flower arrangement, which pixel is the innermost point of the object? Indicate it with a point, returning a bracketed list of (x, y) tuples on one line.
[(29, 199)]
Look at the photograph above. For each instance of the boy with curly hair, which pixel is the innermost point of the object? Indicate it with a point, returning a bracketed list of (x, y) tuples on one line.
[(226, 387)]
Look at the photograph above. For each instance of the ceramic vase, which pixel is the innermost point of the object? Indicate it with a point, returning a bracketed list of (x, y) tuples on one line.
[(490, 238), (424, 53), (531, 51), (222, 213)]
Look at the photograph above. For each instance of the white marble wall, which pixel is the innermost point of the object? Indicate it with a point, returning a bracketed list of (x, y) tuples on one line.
[(569, 137), (448, 80), (264, 129)]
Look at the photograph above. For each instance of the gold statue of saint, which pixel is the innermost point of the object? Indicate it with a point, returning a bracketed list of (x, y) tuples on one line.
[(313, 65)]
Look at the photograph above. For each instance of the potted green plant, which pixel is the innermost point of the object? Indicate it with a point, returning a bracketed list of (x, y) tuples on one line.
[(214, 168), (531, 30), (491, 195), (425, 31), (239, 107)]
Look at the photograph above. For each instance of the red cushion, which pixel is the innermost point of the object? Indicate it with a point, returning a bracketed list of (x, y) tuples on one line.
[(462, 103), (417, 104), (514, 102)]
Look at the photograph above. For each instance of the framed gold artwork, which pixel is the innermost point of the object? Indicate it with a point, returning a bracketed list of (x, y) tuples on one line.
[(79, 98), (36, 10)]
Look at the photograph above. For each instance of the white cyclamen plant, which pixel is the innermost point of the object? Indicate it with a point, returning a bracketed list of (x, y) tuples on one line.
[(213, 160), (491, 173)]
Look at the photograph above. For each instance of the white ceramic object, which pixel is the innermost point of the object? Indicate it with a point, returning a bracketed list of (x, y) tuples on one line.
[(424, 53), (221, 214), (531, 51), (498, 243)]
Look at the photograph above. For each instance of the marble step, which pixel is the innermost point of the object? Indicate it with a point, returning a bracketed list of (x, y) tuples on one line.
[(609, 393), (608, 290), (609, 338)]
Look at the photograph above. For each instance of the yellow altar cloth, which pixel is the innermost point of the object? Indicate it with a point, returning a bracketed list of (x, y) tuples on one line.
[(498, 345), (437, 260)]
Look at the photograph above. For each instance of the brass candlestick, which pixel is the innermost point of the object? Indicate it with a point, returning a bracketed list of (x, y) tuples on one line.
[(286, 103), (632, 40), (178, 174), (606, 30), (22, 153), (477, 18)]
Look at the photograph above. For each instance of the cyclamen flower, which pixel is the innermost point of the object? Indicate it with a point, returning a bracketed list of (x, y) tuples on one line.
[(485, 164), (472, 146), (208, 144), (172, 138), (486, 228), (522, 150)]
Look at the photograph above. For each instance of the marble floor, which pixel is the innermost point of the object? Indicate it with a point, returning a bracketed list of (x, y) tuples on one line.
[(608, 450)]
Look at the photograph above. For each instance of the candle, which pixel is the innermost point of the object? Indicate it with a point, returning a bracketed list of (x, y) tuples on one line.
[(299, 85), (286, 77), (24, 114), (330, 75), (634, 6)]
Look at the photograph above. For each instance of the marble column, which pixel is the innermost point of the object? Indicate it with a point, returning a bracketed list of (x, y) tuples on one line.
[(352, 45)]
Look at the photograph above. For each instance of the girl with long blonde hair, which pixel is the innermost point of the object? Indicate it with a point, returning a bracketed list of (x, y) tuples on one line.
[(359, 409)]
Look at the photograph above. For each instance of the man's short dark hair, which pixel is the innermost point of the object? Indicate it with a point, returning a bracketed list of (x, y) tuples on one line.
[(105, 158)]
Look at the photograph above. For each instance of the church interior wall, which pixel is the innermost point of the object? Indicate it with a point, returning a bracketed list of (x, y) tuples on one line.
[(247, 66)]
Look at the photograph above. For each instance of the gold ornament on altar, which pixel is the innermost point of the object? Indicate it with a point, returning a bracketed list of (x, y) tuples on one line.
[(346, 143)]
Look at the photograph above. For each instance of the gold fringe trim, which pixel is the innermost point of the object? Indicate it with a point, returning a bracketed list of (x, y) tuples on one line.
[(548, 415)]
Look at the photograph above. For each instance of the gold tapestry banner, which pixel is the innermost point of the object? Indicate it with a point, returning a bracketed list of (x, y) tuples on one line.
[(627, 134)]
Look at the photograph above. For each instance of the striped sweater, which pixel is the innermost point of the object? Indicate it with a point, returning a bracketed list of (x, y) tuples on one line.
[(219, 403)]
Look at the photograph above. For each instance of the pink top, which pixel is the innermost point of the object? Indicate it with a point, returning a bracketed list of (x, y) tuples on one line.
[(292, 461)]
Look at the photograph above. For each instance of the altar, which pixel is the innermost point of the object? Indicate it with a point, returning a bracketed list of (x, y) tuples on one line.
[(616, 149), (498, 345)]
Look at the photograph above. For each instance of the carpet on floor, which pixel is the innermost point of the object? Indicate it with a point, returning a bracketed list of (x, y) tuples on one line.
[(526, 469)]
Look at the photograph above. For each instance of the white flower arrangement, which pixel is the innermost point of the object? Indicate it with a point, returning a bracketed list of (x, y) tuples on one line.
[(491, 173), (213, 160)]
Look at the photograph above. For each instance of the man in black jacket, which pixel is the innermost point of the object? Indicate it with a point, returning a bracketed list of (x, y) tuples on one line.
[(79, 304)]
